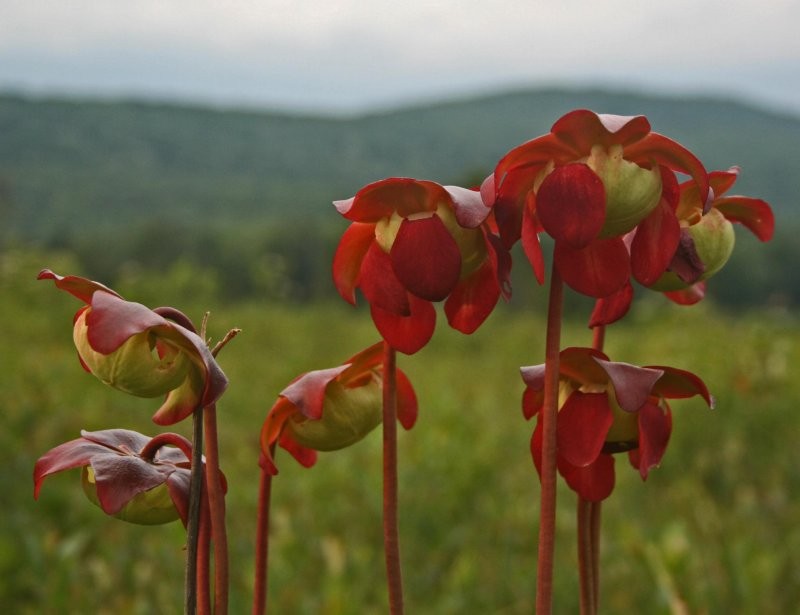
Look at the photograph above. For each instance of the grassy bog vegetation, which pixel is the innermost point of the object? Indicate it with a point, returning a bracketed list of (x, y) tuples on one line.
[(713, 530)]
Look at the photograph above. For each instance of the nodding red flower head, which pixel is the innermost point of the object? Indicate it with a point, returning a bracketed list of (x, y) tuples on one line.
[(589, 181), (330, 409), (125, 474), (413, 242), (137, 350), (607, 407)]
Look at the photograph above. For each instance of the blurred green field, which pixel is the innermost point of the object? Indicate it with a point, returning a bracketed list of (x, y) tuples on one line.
[(715, 530)]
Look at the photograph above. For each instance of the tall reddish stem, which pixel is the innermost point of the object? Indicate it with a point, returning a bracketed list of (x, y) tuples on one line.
[(216, 503), (262, 538), (585, 557), (193, 522), (547, 518), (391, 538)]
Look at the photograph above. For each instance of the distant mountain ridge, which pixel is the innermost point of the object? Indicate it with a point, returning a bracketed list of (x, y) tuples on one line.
[(80, 166)]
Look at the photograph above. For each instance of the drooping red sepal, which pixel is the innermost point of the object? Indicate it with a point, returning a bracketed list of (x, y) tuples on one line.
[(632, 384), (754, 214), (306, 457), (113, 320), (473, 299), (350, 253), (583, 422), (403, 195), (598, 270), (655, 427), (654, 244), (678, 384), (407, 334), (530, 241), (688, 296), (594, 482), (78, 287), (426, 258), (407, 407), (307, 393), (571, 204), (582, 128)]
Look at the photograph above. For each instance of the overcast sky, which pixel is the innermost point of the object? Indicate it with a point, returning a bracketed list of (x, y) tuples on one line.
[(348, 55)]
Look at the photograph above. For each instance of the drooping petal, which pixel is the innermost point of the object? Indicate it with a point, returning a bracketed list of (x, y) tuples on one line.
[(380, 284), (680, 384), (594, 482), (113, 320), (307, 393), (531, 244), (426, 258), (407, 406), (178, 485), (571, 204), (271, 431), (583, 422), (536, 447), (120, 478), (686, 262), (654, 244), (580, 365), (722, 181), (582, 128), (469, 207), (655, 427), (117, 439), (350, 253), (632, 384), (306, 457), (532, 400), (610, 309), (182, 401), (598, 270), (78, 287), (473, 299), (407, 334), (72, 454), (688, 296), (754, 214)]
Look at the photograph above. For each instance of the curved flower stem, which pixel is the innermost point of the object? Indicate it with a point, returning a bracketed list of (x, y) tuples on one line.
[(391, 539), (166, 439), (262, 538), (585, 557), (216, 503), (193, 522), (547, 518)]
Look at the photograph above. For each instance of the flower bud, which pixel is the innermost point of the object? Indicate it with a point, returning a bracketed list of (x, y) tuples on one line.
[(142, 365), (348, 414), (632, 191)]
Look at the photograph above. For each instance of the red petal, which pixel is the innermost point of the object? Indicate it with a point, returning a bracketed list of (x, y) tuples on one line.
[(579, 364), (688, 296), (632, 384), (352, 248), (594, 482), (600, 269), (78, 287), (680, 384), (610, 309), (409, 333), (722, 181), (469, 207), (407, 406), (581, 129), (473, 299), (119, 478), (379, 283), (73, 454), (754, 214), (307, 393), (571, 204), (655, 427), (536, 447), (583, 422), (426, 258), (306, 457), (654, 244), (532, 400), (403, 195), (531, 244), (113, 320)]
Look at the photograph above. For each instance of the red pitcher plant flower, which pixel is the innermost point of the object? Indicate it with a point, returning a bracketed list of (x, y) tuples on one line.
[(330, 409), (705, 242), (607, 407), (128, 475), (589, 181), (413, 242), (137, 350)]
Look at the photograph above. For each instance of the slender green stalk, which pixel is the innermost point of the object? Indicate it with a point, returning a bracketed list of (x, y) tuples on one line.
[(547, 518), (262, 539), (390, 526)]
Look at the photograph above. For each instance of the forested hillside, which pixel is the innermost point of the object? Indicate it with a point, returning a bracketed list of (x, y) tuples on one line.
[(121, 181)]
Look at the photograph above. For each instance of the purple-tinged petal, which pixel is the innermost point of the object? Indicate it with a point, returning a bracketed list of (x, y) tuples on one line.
[(120, 478), (594, 482), (655, 427), (680, 384), (307, 393), (426, 258), (350, 253), (654, 244), (112, 321), (123, 440), (469, 207), (78, 287), (608, 310), (686, 262), (632, 384), (73, 454), (533, 375), (598, 270), (571, 204), (583, 422), (178, 485)]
